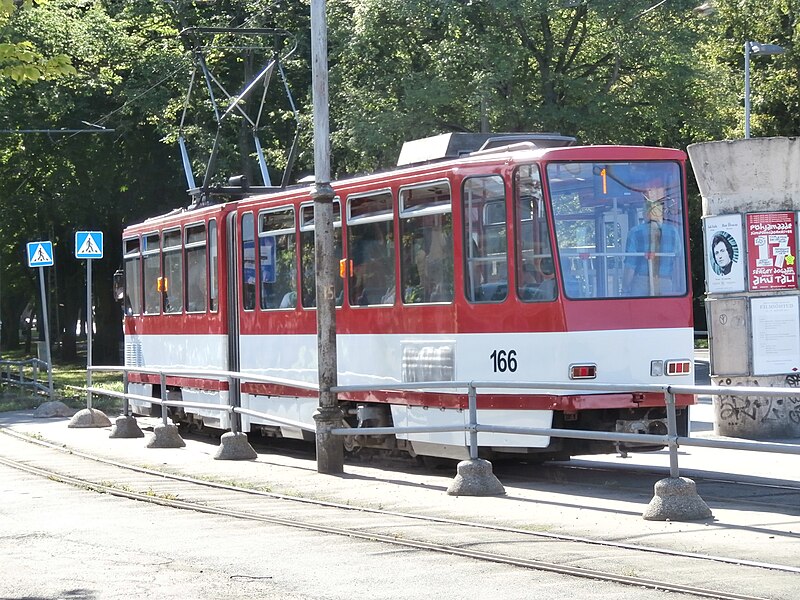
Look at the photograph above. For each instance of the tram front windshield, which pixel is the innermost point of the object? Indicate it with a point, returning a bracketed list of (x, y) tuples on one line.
[(619, 228)]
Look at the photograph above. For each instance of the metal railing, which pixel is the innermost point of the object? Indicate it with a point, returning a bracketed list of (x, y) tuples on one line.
[(473, 428), (25, 374)]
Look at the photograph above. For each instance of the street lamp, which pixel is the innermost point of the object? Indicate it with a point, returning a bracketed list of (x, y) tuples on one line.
[(758, 50)]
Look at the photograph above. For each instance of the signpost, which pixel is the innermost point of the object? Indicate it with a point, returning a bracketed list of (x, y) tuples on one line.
[(40, 254), (88, 246)]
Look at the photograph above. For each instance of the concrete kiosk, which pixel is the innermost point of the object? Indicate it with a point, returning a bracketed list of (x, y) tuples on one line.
[(751, 199)]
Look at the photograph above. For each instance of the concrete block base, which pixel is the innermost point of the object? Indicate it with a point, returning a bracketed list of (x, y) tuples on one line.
[(126, 427), (676, 499), (56, 408), (234, 446), (89, 417), (166, 436), (475, 478)]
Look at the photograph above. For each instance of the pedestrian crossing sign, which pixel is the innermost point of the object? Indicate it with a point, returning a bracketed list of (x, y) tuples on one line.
[(40, 254), (88, 244)]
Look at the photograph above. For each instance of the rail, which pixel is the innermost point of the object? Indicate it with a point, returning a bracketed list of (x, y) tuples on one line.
[(671, 440), (25, 374)]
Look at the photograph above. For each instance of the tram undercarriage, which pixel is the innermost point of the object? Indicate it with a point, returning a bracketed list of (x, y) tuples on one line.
[(361, 417)]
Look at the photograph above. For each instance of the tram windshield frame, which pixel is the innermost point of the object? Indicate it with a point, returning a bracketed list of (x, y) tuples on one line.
[(620, 228)]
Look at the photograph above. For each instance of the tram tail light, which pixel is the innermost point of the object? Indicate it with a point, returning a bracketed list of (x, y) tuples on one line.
[(588, 371), (678, 367)]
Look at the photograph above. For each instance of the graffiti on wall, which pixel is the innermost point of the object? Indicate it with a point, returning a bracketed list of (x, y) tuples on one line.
[(761, 410)]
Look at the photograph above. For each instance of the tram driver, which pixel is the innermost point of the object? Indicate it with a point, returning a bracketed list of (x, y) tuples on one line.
[(652, 249)]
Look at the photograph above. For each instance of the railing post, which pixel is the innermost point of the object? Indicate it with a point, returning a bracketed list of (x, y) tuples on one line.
[(675, 498), (234, 416), (233, 445), (473, 422), (35, 375), (474, 477), (125, 425), (672, 433), (165, 435), (163, 378), (126, 408)]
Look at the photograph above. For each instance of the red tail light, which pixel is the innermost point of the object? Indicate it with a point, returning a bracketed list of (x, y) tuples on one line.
[(583, 371), (679, 367)]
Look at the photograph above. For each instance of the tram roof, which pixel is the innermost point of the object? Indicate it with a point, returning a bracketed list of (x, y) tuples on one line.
[(518, 152)]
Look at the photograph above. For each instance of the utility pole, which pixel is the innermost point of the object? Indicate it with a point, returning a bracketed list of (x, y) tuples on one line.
[(330, 453)]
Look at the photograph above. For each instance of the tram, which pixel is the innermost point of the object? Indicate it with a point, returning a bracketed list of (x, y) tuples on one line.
[(487, 258)]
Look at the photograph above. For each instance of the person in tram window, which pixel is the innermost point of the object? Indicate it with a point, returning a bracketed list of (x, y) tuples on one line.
[(538, 280), (547, 286), (722, 252), (289, 299), (651, 249), (528, 283)]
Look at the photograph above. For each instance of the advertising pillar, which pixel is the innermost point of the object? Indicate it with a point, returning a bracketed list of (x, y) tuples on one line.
[(751, 198)]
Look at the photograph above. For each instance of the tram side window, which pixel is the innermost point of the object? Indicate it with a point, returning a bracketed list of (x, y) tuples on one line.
[(196, 268), (248, 262), (151, 262), (535, 270), (426, 248), (133, 277), (172, 283), (213, 265), (308, 285), (370, 248), (277, 259), (485, 239)]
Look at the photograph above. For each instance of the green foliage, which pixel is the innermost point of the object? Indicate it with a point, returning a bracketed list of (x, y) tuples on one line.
[(605, 71), (22, 61)]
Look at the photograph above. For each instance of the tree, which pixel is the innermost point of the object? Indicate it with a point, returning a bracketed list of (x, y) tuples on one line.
[(67, 183), (607, 72), (775, 91), (20, 59)]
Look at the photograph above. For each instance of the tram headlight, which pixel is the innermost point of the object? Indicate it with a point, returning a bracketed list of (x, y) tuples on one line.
[(656, 368)]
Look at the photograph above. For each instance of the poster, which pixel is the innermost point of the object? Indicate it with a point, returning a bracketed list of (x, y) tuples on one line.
[(776, 335), (771, 251), (724, 253)]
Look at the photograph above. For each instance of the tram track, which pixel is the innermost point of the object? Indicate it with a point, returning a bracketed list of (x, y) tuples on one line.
[(730, 491), (479, 541)]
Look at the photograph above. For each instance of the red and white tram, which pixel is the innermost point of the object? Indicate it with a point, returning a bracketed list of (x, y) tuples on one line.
[(536, 261)]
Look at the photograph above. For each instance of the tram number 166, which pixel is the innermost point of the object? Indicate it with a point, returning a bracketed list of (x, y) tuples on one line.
[(504, 360)]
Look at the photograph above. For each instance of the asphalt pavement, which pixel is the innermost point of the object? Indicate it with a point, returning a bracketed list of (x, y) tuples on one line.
[(597, 497)]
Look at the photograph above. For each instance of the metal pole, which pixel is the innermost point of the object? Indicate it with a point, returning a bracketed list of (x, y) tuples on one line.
[(164, 398), (46, 334), (330, 453), (233, 415), (89, 329), (746, 90), (125, 385), (672, 434), (473, 422)]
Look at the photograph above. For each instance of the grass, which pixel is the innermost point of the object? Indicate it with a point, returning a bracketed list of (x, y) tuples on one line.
[(68, 381)]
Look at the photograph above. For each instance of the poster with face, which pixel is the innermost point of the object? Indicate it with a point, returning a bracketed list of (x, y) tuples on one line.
[(771, 250), (724, 253)]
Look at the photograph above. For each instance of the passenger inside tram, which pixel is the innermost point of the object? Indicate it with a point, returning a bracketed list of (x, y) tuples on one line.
[(547, 286), (651, 249)]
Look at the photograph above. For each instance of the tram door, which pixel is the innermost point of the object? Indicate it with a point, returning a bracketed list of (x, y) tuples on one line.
[(232, 298)]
